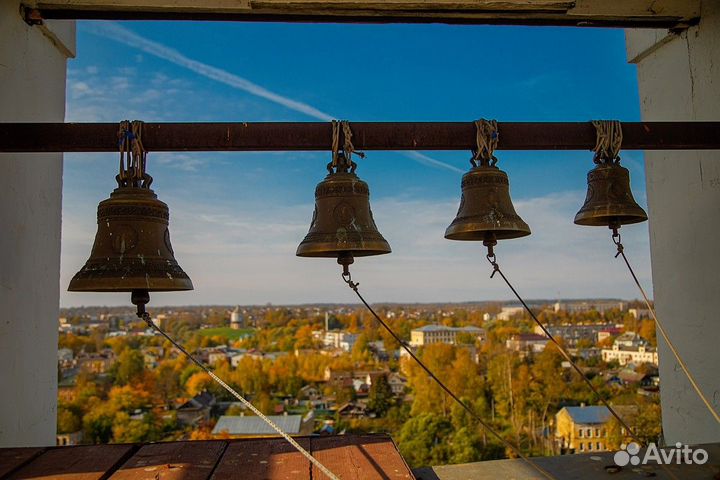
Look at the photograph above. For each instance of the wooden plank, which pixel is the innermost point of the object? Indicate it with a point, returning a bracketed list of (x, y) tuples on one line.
[(12, 458), (74, 463), (172, 461), (640, 13), (264, 459), (360, 457)]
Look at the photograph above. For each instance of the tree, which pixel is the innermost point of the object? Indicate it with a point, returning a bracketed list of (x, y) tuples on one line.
[(345, 395), (129, 366), (67, 420), (423, 440), (127, 430), (98, 423), (197, 383), (380, 398)]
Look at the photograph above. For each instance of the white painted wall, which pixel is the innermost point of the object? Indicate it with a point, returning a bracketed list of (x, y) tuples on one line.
[(679, 79), (32, 89)]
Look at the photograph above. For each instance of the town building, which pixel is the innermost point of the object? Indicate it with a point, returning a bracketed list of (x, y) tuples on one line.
[(527, 343), (66, 439), (630, 348), (247, 426), (337, 339), (584, 306), (572, 333), (592, 428), (196, 410), (506, 313), (582, 429), (430, 334), (237, 321)]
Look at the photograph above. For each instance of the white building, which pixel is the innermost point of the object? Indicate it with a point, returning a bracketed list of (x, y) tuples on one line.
[(343, 340), (630, 348), (600, 306), (430, 334), (506, 313), (236, 319)]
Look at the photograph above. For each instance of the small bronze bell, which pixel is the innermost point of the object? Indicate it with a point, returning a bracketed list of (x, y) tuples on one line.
[(342, 223), (132, 250), (609, 201), (486, 211)]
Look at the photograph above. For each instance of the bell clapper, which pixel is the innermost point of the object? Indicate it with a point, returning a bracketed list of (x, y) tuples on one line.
[(140, 298), (346, 259), (616, 238), (490, 242)]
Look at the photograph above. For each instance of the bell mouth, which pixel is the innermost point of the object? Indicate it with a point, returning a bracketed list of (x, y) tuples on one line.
[(319, 252), (466, 232), (602, 219), (85, 282)]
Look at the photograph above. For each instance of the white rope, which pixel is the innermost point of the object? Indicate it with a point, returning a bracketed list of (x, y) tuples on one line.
[(245, 402)]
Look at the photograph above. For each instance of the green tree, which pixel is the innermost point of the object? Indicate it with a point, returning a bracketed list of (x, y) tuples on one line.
[(380, 398), (423, 440)]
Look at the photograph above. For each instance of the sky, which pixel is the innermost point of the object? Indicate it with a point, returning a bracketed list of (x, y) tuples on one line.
[(236, 218)]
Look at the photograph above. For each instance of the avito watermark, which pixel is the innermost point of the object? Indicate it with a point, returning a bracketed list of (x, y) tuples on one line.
[(680, 455)]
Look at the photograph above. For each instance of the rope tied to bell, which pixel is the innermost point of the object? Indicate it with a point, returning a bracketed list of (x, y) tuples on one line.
[(608, 141), (342, 157), (133, 156), (486, 138)]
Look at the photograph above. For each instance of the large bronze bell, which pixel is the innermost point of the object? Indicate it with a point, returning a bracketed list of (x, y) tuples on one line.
[(342, 223), (132, 251), (486, 211), (132, 248), (609, 201)]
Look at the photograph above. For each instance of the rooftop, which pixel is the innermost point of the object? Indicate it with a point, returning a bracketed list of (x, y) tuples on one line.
[(590, 415), (439, 328), (251, 425), (351, 457)]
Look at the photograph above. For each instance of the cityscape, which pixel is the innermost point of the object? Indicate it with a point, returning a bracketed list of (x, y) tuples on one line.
[(333, 370)]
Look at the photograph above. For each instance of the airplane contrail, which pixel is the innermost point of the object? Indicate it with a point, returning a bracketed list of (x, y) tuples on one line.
[(118, 33)]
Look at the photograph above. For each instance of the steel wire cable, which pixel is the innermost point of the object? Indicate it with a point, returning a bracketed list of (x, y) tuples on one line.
[(354, 286), (496, 269), (145, 316), (621, 252)]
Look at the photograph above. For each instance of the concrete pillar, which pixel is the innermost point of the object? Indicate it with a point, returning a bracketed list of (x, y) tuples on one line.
[(679, 79), (32, 89)]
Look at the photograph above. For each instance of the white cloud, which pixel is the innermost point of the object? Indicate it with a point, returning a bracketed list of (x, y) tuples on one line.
[(246, 255), (118, 33)]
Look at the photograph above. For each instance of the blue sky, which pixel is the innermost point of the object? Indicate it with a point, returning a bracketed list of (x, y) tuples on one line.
[(236, 218)]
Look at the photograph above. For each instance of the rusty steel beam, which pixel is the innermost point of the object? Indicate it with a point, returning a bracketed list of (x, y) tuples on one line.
[(308, 136)]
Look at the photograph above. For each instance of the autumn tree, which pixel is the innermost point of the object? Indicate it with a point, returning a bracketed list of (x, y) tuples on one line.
[(129, 366)]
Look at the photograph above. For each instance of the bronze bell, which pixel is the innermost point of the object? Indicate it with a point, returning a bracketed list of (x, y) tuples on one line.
[(132, 250), (609, 201), (486, 211), (342, 223)]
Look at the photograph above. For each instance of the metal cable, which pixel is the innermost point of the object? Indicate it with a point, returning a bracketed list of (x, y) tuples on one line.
[(146, 316), (496, 269), (621, 252), (354, 286)]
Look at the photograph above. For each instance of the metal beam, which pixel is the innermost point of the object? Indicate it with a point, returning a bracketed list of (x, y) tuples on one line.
[(598, 13), (102, 137)]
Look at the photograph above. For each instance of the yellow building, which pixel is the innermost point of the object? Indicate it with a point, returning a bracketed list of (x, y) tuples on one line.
[(582, 429)]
